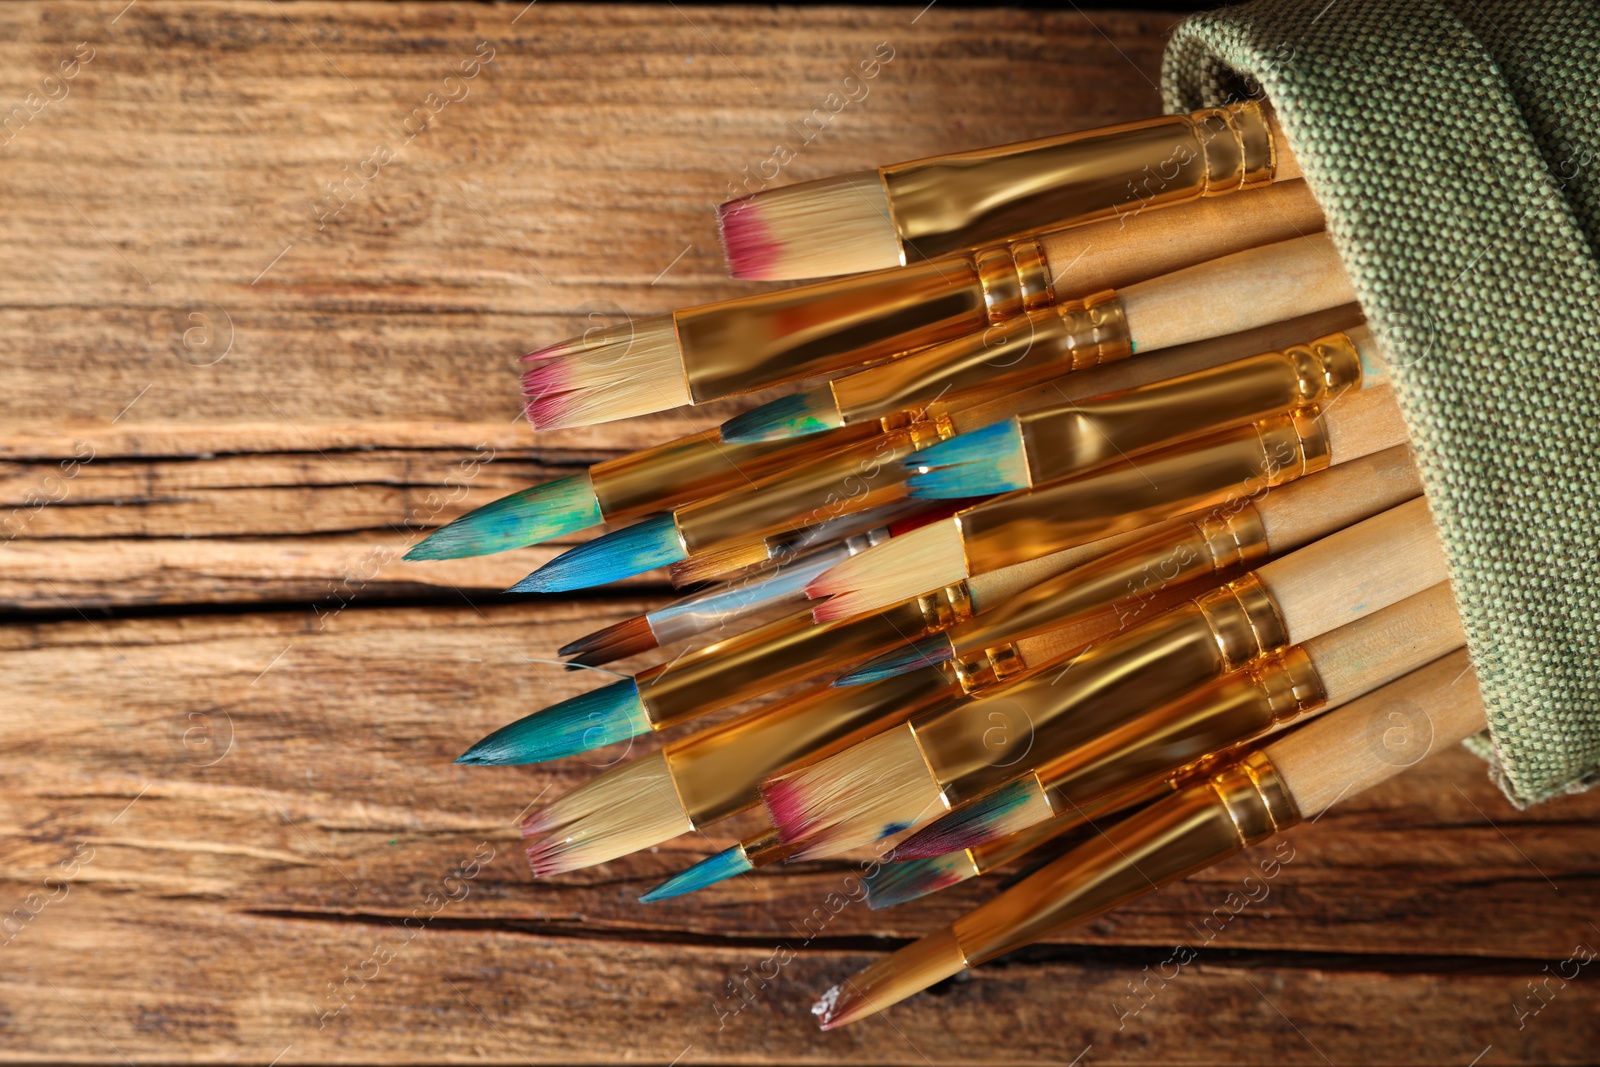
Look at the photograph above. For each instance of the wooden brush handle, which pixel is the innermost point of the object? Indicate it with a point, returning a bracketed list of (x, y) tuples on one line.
[(1376, 737), (1302, 511), (1356, 571), (992, 587), (1361, 423), (1361, 656), (1237, 292), (1118, 252)]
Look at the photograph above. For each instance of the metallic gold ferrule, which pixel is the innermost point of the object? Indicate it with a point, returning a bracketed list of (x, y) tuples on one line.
[(1128, 583), (763, 847), (717, 770), (990, 666), (658, 478), (852, 479), (788, 650), (1232, 466), (1068, 439), (1171, 839), (968, 198), (1188, 737), (739, 346), (1014, 353), (1244, 620)]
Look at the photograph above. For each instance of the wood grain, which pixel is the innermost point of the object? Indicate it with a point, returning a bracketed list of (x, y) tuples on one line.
[(232, 830)]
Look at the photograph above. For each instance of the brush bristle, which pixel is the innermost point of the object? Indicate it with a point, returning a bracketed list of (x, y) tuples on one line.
[(923, 652), (599, 717), (795, 415), (709, 871), (719, 562), (617, 641), (897, 883), (929, 557), (876, 789), (891, 980), (628, 808), (516, 521), (815, 229), (630, 369), (623, 553), (999, 813), (990, 460)]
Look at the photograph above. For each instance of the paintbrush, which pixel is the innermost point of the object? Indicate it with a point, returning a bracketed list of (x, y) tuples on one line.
[(1048, 444), (617, 489), (1210, 547), (913, 774), (1222, 716), (1297, 777), (715, 772), (1192, 476), (1222, 296), (1029, 448), (903, 212), (787, 650), (734, 347)]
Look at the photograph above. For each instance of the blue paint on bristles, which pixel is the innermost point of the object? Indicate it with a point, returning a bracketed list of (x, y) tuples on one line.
[(590, 720), (794, 415), (516, 521), (620, 554), (979, 463), (923, 652), (896, 883), (709, 871)]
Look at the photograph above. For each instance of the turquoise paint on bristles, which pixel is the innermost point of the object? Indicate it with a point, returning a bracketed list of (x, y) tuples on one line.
[(923, 652), (516, 521), (984, 819), (709, 871), (644, 546), (896, 883), (795, 415), (590, 720), (979, 463)]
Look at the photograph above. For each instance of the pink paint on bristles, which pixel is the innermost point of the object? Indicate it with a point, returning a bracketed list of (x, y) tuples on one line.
[(751, 248), (788, 810)]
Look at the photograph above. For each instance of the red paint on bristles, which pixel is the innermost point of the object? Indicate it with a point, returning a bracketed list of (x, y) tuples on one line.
[(751, 248), (942, 510)]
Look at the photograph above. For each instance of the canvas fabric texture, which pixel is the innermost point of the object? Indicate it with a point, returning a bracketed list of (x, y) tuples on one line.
[(1454, 146)]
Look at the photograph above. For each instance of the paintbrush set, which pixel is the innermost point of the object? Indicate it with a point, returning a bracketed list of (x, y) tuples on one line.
[(1087, 539)]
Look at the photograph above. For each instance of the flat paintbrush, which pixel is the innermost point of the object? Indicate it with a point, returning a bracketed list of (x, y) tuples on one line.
[(1299, 776), (903, 212), (1210, 547), (1267, 693), (1212, 299), (740, 346), (1195, 475), (913, 774)]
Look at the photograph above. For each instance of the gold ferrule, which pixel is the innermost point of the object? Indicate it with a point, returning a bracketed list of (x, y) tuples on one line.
[(1230, 467), (1061, 441), (852, 479), (1128, 583), (739, 346), (1244, 620), (1255, 798), (658, 478), (970, 198), (717, 770), (945, 607), (1188, 736), (1012, 354), (988, 740), (990, 666), (788, 650), (764, 847), (1171, 839)]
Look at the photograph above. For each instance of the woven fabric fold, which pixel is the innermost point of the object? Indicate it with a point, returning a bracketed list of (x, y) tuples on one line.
[(1455, 149)]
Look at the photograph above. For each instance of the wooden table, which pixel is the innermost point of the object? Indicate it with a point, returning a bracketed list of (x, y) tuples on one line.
[(234, 392)]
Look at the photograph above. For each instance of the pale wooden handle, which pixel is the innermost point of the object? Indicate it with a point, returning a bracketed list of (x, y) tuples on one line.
[(1118, 252), (1374, 362), (1358, 658), (1376, 737), (1296, 514), (1356, 571), (1361, 423), (1237, 292)]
